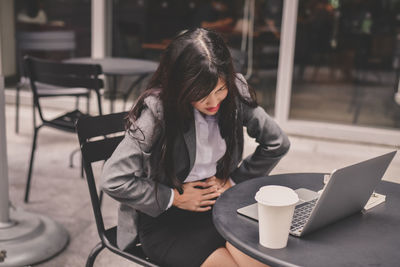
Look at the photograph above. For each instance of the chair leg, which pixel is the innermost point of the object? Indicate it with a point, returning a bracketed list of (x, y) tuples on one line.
[(71, 157), (34, 115), (28, 181), (99, 103), (87, 112), (100, 198), (88, 104), (18, 88), (71, 160), (77, 103), (82, 172), (93, 254)]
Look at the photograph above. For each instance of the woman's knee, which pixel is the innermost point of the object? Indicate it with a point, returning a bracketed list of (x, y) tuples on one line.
[(243, 259), (220, 257)]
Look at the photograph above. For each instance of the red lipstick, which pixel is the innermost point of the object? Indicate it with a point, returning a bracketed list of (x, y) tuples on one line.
[(214, 109)]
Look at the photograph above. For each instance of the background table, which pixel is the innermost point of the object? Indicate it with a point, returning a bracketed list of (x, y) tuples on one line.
[(370, 239), (114, 67)]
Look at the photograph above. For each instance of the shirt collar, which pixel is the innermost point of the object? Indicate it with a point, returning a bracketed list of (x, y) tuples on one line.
[(198, 117)]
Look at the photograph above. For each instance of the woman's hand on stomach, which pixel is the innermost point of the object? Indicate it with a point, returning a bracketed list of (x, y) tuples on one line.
[(222, 185), (197, 196)]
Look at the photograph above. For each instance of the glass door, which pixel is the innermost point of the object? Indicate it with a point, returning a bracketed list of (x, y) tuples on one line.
[(346, 63), (338, 70)]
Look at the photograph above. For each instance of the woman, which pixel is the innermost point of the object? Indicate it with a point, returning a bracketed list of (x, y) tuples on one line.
[(182, 150)]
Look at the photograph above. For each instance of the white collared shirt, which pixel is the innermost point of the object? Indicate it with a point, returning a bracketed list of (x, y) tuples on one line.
[(210, 147)]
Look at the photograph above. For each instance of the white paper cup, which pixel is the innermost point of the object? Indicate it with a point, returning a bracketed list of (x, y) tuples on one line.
[(275, 212)]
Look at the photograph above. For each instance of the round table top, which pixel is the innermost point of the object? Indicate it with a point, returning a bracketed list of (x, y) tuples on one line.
[(358, 240), (119, 66)]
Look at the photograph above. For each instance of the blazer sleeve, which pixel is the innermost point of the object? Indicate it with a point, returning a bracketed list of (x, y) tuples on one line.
[(273, 143), (125, 175)]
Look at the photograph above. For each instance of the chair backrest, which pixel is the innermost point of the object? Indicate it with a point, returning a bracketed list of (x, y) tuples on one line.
[(65, 75), (98, 138)]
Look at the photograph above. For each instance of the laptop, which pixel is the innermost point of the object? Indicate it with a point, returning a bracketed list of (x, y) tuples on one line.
[(346, 193)]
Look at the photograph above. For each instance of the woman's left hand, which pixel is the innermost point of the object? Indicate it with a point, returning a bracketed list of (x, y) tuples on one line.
[(222, 185)]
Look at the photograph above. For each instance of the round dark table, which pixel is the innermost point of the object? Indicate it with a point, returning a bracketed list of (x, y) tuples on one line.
[(120, 66), (363, 239), (114, 67)]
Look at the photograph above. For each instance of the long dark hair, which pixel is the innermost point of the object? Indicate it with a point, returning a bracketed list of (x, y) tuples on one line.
[(189, 70)]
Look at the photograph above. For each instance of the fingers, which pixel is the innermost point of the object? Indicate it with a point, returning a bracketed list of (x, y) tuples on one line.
[(204, 205), (212, 178), (216, 181), (212, 183), (201, 209), (209, 182), (207, 203), (197, 183), (211, 196), (204, 187), (210, 190)]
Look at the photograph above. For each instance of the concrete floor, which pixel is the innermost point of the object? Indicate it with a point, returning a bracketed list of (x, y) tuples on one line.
[(59, 192)]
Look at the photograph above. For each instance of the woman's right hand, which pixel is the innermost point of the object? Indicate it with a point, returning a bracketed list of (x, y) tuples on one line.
[(197, 196)]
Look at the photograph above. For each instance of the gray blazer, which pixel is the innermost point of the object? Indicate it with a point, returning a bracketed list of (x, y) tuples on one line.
[(128, 175)]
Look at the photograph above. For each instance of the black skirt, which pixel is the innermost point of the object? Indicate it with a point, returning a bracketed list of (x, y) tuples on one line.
[(179, 237)]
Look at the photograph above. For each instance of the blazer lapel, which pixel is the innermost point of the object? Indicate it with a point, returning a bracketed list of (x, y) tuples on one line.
[(190, 141)]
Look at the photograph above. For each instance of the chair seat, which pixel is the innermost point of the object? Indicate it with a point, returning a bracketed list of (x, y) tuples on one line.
[(47, 92), (66, 121)]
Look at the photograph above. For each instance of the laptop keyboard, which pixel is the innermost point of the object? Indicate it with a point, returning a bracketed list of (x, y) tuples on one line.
[(301, 214)]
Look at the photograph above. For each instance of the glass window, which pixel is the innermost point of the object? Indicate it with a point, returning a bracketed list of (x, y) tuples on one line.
[(142, 29), (347, 62), (57, 15), (52, 29)]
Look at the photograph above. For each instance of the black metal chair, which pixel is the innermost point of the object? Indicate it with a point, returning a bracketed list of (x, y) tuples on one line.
[(98, 137), (69, 77), (45, 42)]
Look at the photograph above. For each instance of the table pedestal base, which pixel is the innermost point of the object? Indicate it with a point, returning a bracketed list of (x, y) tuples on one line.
[(30, 238)]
